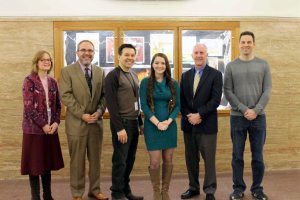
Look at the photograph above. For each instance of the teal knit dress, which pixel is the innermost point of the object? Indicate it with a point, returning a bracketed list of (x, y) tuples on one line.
[(154, 138)]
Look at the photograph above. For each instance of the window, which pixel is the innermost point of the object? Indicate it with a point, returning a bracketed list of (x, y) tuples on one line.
[(174, 38), (148, 43), (103, 42), (218, 43)]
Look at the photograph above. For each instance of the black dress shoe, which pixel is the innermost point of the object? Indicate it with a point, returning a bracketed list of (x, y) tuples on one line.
[(189, 194), (122, 198), (210, 197), (130, 196)]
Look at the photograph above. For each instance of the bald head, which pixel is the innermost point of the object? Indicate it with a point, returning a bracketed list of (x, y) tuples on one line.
[(200, 45), (199, 55)]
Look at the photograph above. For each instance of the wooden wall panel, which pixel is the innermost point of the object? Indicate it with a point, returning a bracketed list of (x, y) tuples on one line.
[(277, 41)]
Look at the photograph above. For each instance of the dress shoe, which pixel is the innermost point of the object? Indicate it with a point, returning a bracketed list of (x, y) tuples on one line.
[(77, 198), (98, 196), (210, 197), (130, 196), (122, 198), (48, 198), (189, 194)]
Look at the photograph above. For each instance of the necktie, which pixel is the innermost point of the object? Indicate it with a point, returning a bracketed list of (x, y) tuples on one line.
[(196, 82), (88, 79)]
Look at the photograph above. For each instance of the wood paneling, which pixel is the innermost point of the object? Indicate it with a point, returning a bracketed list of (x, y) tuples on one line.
[(277, 41)]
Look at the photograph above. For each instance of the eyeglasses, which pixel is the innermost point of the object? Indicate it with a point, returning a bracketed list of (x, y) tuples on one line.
[(45, 60), (86, 50)]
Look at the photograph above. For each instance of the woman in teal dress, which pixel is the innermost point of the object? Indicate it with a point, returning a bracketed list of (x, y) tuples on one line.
[(160, 102)]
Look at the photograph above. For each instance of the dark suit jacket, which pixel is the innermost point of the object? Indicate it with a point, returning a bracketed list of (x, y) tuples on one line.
[(205, 102)]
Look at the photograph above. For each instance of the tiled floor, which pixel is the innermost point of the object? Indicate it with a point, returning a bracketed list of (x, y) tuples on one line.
[(279, 185)]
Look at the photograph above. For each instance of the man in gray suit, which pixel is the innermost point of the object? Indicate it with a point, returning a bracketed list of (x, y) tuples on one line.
[(81, 90)]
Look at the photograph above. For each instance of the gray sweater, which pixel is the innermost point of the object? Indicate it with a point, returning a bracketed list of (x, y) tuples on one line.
[(247, 84)]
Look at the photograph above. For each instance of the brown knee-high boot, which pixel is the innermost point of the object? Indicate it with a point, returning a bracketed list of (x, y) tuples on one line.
[(155, 180), (35, 187), (166, 179)]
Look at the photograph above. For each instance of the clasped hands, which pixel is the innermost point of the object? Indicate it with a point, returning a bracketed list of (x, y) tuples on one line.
[(194, 118), (50, 129), (250, 114), (162, 126), (90, 119)]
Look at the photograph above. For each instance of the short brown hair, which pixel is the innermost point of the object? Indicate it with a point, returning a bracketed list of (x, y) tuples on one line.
[(248, 33), (38, 56), (123, 46), (84, 41)]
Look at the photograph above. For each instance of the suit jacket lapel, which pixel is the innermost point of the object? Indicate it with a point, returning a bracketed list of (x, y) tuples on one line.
[(81, 77), (94, 79), (191, 76)]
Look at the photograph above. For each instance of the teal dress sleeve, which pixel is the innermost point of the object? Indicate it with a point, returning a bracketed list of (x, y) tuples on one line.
[(176, 109), (143, 98)]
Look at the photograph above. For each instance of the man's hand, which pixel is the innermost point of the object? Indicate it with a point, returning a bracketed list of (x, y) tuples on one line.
[(86, 117), (250, 114), (90, 119), (122, 136), (95, 116), (194, 118)]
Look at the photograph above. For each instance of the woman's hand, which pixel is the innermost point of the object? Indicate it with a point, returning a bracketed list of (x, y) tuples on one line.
[(162, 126), (53, 128), (46, 129)]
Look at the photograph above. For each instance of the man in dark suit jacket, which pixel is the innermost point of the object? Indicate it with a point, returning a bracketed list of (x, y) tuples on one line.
[(82, 92), (200, 95)]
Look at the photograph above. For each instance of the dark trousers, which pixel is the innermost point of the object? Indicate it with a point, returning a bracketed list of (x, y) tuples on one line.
[(256, 128), (123, 158), (204, 144)]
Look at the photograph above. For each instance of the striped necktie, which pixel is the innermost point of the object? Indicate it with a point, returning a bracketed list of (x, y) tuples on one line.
[(88, 79)]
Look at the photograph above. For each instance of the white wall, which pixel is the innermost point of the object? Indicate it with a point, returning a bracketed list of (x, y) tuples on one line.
[(112, 8)]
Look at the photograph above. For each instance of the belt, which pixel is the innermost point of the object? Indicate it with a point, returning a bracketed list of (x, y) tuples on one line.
[(130, 120)]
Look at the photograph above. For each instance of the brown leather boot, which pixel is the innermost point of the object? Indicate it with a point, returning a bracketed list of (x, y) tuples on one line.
[(155, 180), (166, 179)]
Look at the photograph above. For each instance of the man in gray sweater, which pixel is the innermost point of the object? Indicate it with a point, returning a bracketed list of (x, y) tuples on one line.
[(247, 87)]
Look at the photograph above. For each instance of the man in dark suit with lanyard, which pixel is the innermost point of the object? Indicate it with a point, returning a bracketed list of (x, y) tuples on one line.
[(200, 95)]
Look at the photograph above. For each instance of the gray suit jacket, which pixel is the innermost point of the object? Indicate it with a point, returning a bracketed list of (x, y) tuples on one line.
[(76, 97)]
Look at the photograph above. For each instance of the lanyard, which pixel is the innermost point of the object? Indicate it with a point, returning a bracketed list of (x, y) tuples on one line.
[(131, 83)]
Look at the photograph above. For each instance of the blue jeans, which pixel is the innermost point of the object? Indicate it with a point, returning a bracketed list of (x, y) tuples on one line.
[(256, 128)]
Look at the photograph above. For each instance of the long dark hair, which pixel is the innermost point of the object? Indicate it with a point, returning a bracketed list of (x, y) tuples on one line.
[(169, 81)]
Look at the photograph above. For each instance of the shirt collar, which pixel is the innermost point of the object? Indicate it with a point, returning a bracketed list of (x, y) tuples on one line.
[(199, 70), (83, 67)]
